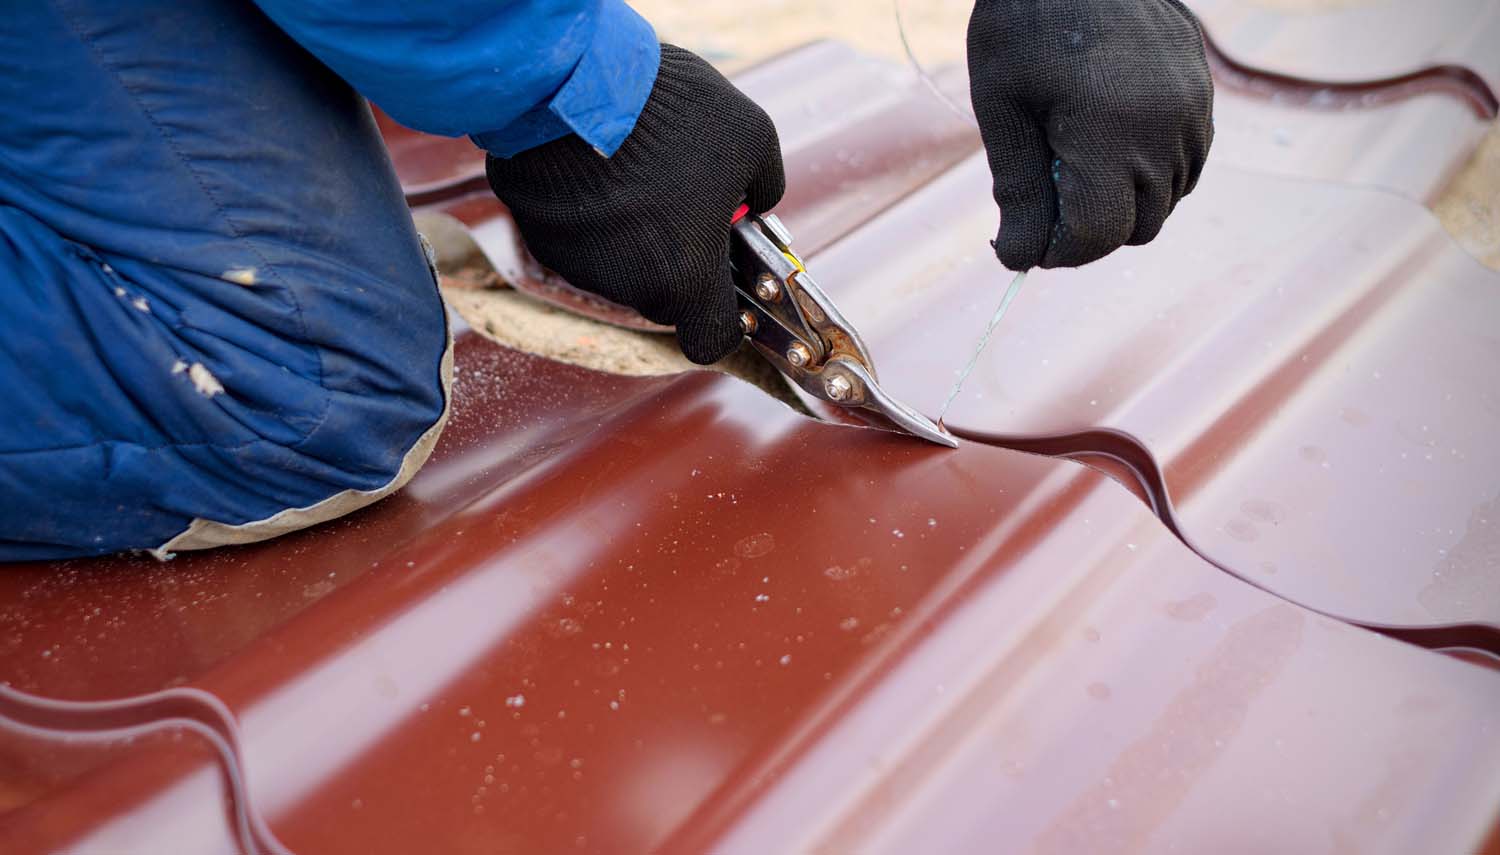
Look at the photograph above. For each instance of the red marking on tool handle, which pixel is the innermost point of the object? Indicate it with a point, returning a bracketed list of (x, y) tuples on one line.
[(739, 214)]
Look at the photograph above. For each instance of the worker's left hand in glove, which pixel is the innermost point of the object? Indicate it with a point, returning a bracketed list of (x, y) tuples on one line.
[(1097, 116), (649, 227)]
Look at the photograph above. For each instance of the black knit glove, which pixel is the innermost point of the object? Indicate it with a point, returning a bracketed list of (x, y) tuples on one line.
[(1097, 117), (649, 226)]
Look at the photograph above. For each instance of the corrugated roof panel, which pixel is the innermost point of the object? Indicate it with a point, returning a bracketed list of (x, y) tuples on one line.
[(618, 614), (1311, 366)]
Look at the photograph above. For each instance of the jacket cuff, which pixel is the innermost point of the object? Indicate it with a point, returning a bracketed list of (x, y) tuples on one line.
[(601, 99)]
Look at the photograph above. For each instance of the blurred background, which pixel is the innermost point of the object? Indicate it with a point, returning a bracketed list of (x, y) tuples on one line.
[(735, 34)]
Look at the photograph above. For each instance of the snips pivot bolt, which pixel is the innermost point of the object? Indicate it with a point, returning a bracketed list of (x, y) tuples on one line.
[(798, 354), (838, 387), (767, 288)]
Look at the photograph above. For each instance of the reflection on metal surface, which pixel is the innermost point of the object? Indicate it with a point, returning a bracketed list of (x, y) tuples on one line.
[(1310, 367), (664, 579)]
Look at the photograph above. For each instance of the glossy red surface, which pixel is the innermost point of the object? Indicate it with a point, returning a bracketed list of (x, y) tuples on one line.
[(1302, 370), (1309, 366), (620, 615)]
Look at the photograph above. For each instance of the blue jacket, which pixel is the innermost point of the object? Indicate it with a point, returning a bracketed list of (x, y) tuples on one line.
[(512, 74), (213, 304)]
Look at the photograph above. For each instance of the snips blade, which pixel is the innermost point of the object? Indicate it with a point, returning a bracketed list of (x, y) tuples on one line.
[(796, 327)]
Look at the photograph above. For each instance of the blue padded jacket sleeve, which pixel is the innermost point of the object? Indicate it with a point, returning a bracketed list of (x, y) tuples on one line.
[(512, 74)]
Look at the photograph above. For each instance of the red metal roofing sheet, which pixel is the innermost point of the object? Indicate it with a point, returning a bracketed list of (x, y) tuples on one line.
[(1310, 367), (616, 614), (1305, 367)]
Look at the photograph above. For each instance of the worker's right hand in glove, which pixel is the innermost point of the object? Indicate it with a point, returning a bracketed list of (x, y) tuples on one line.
[(649, 227), (1097, 118)]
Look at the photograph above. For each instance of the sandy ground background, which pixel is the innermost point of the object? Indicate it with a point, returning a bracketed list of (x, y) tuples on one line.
[(737, 33), (734, 34), (1470, 206)]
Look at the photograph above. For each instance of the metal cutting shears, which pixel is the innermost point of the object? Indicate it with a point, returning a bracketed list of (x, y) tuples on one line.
[(798, 329)]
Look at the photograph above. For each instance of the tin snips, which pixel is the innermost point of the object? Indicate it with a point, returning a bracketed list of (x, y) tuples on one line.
[(798, 329)]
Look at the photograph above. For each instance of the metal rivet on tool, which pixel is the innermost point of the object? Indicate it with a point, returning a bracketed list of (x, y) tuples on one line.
[(838, 387), (767, 288), (798, 354), (747, 323)]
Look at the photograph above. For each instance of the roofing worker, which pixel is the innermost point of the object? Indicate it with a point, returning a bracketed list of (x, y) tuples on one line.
[(218, 325)]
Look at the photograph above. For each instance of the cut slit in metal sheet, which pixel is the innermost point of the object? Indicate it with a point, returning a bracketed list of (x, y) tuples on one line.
[(1403, 144), (1406, 142), (961, 648), (1309, 366), (1025, 605)]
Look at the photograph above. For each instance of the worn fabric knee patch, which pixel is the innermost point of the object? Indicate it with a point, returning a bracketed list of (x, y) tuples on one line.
[(137, 417), (213, 304)]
